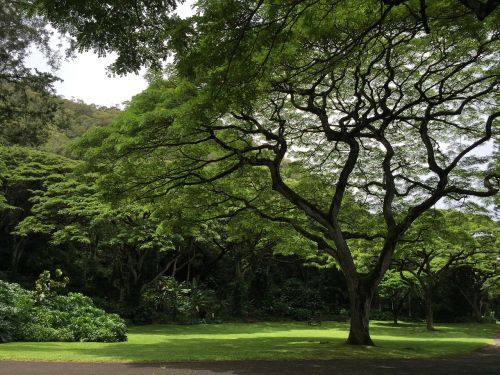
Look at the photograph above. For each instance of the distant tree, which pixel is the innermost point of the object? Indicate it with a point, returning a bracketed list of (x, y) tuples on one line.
[(478, 277), (447, 240), (72, 119), (72, 213), (26, 173), (396, 289), (27, 103)]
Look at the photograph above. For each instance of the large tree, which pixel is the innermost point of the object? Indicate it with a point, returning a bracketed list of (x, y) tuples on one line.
[(382, 102)]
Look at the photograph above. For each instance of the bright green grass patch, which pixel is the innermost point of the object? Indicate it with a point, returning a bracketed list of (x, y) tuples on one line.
[(266, 341)]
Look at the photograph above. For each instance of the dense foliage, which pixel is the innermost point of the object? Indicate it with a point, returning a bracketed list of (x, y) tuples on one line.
[(72, 317), (288, 165), (27, 102), (72, 119)]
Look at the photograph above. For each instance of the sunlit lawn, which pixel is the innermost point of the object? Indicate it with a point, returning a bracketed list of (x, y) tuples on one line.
[(269, 341)]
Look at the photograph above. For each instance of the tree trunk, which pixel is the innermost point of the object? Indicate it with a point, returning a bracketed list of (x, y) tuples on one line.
[(134, 295), (395, 312), (475, 302), (476, 308), (360, 301), (398, 306), (478, 317), (429, 314), (17, 254)]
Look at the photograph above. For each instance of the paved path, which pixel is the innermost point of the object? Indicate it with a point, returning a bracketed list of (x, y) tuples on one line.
[(485, 361)]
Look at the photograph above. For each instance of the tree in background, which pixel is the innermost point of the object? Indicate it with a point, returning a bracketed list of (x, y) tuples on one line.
[(396, 289), (478, 277), (27, 173), (113, 240), (447, 240), (72, 120), (27, 101)]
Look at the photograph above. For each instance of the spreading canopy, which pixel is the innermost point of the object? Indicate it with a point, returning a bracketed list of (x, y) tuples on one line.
[(379, 103)]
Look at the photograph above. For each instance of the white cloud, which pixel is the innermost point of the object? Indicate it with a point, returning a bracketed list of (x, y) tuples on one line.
[(85, 77)]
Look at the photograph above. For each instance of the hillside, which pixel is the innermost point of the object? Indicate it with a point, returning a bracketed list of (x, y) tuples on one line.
[(72, 120)]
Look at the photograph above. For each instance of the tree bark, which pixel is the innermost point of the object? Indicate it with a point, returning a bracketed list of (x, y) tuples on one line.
[(429, 314), (17, 254), (477, 314), (475, 303), (395, 312), (360, 301), (398, 306)]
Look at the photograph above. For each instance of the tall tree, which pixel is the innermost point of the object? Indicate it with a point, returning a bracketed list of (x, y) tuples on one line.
[(367, 98)]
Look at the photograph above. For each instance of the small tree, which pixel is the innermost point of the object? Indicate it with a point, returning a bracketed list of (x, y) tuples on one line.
[(396, 289)]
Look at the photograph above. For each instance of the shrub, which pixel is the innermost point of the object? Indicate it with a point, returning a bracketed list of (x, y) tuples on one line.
[(40, 332), (73, 317), (296, 301), (489, 317), (170, 300), (381, 315), (15, 302)]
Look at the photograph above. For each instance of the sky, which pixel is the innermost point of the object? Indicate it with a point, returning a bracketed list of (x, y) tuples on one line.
[(85, 77)]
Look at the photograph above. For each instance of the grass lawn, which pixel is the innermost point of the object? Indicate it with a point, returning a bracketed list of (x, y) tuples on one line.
[(268, 341)]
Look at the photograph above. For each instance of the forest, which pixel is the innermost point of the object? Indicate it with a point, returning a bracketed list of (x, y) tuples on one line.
[(304, 161)]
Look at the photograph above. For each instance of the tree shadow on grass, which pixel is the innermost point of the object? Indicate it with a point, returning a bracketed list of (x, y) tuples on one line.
[(250, 348), (449, 330), (234, 328)]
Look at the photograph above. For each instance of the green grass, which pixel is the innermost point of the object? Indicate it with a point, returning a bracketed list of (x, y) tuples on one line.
[(268, 341)]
